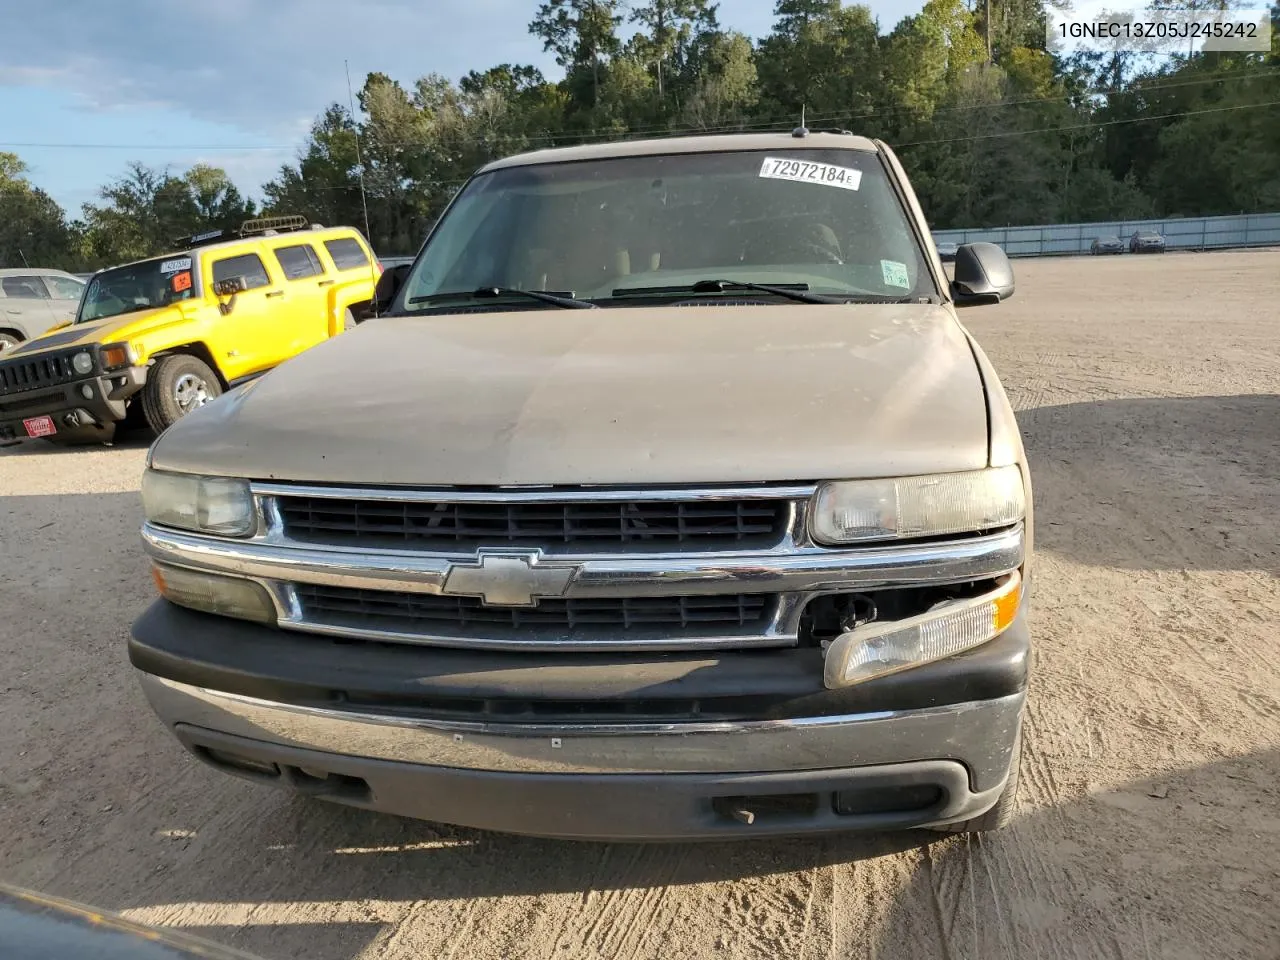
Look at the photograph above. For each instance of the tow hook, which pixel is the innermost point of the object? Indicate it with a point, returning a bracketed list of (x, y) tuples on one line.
[(79, 418)]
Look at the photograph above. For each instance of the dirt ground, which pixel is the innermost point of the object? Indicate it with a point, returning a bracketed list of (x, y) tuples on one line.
[(1149, 393)]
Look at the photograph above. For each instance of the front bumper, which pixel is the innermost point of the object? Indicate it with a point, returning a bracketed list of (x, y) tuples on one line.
[(74, 415), (378, 727)]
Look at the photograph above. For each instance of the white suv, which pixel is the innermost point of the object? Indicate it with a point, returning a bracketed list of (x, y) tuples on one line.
[(32, 301)]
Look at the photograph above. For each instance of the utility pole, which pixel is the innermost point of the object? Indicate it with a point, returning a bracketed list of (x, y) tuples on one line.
[(595, 54), (986, 29)]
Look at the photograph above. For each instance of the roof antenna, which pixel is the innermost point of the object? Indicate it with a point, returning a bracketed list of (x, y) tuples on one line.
[(364, 202), (801, 131)]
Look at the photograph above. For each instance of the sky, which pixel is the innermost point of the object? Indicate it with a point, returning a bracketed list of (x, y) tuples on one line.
[(87, 86)]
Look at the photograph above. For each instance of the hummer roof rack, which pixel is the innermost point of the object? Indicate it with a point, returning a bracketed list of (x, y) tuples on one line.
[(263, 226), (273, 224)]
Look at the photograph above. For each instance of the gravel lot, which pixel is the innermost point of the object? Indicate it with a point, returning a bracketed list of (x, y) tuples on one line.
[(1149, 392)]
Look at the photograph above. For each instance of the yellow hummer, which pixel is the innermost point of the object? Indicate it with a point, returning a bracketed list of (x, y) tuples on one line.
[(160, 337)]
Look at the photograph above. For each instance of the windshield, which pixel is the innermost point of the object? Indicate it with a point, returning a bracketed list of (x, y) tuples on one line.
[(825, 220), (139, 286)]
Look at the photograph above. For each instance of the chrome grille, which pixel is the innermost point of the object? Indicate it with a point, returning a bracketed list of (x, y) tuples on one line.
[(49, 370), (736, 522), (610, 620)]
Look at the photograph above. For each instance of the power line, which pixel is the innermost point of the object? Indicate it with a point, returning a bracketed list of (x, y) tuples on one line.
[(755, 124), (175, 147), (1090, 126)]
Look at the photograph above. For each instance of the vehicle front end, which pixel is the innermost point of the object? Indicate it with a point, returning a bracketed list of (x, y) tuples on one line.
[(610, 690), (78, 392), (75, 383), (603, 566)]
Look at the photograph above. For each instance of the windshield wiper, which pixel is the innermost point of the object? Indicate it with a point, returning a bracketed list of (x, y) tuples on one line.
[(558, 298), (791, 291)]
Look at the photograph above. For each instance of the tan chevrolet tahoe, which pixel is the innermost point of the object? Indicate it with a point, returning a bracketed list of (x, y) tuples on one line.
[(671, 500)]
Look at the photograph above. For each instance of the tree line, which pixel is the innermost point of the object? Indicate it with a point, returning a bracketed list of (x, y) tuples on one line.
[(992, 128)]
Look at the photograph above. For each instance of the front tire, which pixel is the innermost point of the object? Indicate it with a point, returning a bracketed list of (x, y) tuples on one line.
[(176, 385), (7, 342)]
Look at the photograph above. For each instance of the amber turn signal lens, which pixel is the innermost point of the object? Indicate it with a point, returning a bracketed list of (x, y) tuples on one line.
[(113, 357)]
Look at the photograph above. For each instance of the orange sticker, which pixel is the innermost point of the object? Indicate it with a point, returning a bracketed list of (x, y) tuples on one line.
[(181, 281)]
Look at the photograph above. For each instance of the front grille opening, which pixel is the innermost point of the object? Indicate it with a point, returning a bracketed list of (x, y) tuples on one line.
[(766, 807), (826, 617), (517, 710), (583, 525), (909, 798), (47, 370), (427, 614)]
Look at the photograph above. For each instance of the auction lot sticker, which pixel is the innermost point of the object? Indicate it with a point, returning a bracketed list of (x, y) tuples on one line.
[(806, 171)]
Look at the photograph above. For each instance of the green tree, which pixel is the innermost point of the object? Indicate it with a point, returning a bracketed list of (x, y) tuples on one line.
[(672, 26), (219, 203), (33, 228), (324, 186), (583, 35), (927, 56), (823, 57), (146, 211), (722, 81)]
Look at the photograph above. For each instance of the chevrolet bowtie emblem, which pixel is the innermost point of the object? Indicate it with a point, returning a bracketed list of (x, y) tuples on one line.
[(509, 579)]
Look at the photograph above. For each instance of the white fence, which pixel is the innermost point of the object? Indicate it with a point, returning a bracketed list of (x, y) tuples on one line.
[(1180, 233)]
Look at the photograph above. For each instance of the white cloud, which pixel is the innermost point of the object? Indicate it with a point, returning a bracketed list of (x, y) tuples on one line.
[(266, 66)]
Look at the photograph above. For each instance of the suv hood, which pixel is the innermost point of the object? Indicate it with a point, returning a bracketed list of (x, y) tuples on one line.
[(108, 330), (612, 396)]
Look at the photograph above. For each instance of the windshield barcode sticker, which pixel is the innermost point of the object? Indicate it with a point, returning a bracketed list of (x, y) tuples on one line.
[(806, 171), (173, 266)]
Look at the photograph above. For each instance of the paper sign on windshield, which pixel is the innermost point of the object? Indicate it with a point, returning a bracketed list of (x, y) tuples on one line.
[(806, 171), (895, 274), (173, 266)]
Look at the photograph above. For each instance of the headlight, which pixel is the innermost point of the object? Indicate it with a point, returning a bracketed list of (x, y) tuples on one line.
[(876, 649), (859, 510), (117, 355), (82, 362), (213, 593), (219, 505)]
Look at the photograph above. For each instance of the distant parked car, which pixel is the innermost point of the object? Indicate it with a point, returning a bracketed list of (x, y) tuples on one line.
[(1102, 245), (391, 262), (33, 300), (947, 251), (1146, 241)]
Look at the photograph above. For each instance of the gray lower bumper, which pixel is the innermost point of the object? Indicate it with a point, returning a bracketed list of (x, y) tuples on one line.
[(621, 781), (75, 416)]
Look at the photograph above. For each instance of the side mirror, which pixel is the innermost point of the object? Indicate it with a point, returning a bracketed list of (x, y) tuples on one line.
[(229, 288), (982, 274), (389, 285)]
